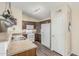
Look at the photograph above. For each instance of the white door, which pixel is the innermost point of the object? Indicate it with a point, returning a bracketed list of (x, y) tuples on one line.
[(45, 34), (58, 33)]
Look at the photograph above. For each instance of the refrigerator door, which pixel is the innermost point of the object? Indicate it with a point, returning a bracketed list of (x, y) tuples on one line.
[(45, 34)]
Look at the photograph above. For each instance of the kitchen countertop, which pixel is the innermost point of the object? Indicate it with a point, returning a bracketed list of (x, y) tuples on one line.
[(16, 47)]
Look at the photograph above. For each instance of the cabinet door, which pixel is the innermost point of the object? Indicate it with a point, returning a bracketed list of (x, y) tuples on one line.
[(3, 48), (30, 27)]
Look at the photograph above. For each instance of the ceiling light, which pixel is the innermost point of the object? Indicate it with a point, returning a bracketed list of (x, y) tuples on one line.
[(36, 11)]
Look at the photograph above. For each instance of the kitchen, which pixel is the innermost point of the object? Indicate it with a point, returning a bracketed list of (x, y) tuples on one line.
[(36, 29)]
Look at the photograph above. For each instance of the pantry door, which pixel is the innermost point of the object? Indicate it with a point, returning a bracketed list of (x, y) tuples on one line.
[(58, 33)]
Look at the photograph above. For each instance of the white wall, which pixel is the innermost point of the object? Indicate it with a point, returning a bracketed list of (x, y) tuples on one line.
[(75, 28), (28, 18), (18, 15), (2, 7)]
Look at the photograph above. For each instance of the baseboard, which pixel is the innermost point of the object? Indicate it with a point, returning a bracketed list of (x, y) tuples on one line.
[(73, 54), (57, 53)]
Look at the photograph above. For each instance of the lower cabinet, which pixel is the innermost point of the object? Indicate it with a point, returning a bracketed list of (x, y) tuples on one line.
[(31, 52), (3, 48), (38, 37)]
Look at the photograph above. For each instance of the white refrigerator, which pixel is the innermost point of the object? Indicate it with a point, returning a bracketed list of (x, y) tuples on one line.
[(30, 31), (45, 35)]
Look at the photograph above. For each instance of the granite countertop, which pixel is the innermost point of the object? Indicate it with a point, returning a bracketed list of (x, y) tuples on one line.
[(16, 47)]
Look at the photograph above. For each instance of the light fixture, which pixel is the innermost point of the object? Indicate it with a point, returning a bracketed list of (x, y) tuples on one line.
[(36, 10), (7, 16)]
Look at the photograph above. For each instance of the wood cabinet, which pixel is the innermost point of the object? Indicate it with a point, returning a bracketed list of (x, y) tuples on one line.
[(24, 23), (38, 37), (31, 52), (25, 35)]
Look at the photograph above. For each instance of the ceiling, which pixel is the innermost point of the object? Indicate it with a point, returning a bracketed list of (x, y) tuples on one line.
[(38, 10)]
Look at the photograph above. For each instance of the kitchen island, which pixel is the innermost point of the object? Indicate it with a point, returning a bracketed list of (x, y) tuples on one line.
[(22, 48)]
